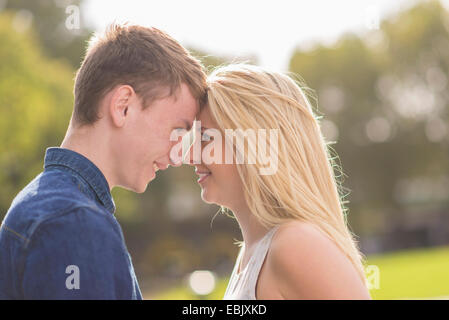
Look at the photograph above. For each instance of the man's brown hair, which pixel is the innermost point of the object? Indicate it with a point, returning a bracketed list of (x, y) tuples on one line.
[(147, 59)]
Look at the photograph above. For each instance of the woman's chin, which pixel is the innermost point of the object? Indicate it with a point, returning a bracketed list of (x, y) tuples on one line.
[(206, 196)]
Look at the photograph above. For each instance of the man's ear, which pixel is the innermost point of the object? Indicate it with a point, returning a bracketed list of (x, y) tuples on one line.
[(120, 103)]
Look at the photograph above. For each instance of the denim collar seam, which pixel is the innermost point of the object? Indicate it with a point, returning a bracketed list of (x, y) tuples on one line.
[(86, 172), (89, 183)]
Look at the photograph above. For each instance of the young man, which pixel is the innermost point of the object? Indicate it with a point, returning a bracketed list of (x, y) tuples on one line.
[(60, 239)]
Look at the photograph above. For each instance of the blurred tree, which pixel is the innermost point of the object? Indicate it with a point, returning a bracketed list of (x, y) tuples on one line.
[(384, 96), (55, 22), (35, 105)]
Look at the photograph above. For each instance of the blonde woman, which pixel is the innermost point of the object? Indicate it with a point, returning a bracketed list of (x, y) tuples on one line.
[(296, 243)]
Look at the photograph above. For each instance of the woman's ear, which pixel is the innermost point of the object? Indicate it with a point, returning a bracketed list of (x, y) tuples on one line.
[(119, 104)]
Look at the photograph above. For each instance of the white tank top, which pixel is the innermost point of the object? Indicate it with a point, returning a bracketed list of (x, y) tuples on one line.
[(242, 286)]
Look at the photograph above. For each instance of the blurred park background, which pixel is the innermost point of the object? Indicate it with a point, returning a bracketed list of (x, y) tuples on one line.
[(383, 92)]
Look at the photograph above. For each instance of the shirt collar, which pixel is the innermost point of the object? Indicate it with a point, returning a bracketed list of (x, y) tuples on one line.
[(86, 169)]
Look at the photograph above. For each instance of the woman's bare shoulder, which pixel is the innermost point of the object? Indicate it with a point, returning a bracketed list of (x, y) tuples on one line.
[(307, 264), (298, 234)]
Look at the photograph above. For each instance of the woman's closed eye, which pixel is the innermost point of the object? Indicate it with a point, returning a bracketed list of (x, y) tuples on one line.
[(206, 137)]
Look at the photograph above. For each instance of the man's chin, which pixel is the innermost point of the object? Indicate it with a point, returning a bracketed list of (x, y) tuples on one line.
[(142, 188), (137, 188)]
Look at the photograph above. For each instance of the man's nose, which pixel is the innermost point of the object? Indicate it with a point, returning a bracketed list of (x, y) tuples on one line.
[(175, 158), (179, 155), (175, 152), (193, 154), (188, 156)]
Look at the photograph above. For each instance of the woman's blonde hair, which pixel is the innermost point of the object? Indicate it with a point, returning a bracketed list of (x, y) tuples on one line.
[(304, 188)]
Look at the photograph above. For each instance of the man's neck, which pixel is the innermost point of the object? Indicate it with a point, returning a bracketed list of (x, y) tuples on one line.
[(87, 142)]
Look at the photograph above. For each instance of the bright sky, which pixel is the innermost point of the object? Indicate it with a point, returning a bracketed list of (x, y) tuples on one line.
[(270, 30)]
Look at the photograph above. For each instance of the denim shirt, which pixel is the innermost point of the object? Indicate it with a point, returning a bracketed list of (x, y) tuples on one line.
[(60, 239)]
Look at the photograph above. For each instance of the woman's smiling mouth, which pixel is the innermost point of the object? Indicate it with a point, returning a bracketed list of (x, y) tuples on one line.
[(203, 175)]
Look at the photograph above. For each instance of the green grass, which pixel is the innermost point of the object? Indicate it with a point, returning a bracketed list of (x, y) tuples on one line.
[(410, 274), (413, 274)]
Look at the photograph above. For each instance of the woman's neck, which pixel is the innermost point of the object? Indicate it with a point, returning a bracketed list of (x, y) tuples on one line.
[(252, 230)]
